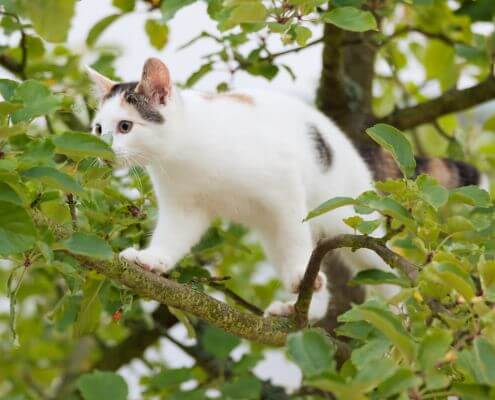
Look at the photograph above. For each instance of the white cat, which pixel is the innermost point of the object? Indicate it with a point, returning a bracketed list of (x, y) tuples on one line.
[(255, 157)]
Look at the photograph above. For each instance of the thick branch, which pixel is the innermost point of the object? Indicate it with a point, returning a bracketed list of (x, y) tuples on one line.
[(354, 242), (450, 102), (271, 330)]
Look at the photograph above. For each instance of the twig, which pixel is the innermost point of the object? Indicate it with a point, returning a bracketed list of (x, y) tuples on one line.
[(72, 208), (9, 63), (235, 297), (431, 35), (354, 242), (294, 50)]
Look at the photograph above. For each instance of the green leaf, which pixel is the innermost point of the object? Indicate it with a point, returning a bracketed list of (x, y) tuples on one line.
[(170, 378), (394, 141), (244, 388), (53, 178), (485, 357), (312, 351), (373, 349), (399, 382), (102, 385), (170, 7), (250, 11), (472, 195), (88, 317), (386, 322), (37, 100), (200, 73), (7, 88), (7, 194), (88, 244), (50, 18), (433, 347), (388, 206), (157, 33), (487, 274), (378, 277), (79, 145), (100, 27), (456, 278), (218, 342), (330, 205), (303, 34), (124, 5), (350, 19), (431, 192), (17, 231)]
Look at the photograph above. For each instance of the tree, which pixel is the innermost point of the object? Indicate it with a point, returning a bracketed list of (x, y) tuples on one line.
[(76, 312)]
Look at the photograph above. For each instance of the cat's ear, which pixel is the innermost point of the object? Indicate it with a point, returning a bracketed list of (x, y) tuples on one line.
[(155, 82), (102, 84)]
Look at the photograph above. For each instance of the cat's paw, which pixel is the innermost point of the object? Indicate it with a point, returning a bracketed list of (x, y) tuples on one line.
[(148, 259), (295, 282), (280, 309)]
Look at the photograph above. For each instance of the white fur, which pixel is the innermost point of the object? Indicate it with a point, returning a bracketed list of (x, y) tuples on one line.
[(251, 163)]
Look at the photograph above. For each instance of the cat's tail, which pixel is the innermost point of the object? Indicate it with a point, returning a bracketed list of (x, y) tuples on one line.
[(449, 173)]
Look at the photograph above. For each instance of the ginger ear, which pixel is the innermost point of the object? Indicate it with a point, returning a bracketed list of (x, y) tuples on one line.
[(155, 82), (102, 84)]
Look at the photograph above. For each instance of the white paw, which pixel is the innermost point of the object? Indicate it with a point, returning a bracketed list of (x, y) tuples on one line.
[(149, 259), (319, 304), (294, 282), (280, 309)]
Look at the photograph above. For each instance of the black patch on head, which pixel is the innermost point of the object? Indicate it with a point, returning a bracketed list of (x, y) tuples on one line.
[(137, 100), (121, 88), (468, 175), (321, 146)]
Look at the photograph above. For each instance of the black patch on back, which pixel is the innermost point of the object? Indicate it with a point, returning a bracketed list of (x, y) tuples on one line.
[(468, 175), (421, 165), (137, 100), (321, 146)]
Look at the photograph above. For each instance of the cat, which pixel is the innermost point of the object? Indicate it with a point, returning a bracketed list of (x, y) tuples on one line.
[(258, 158)]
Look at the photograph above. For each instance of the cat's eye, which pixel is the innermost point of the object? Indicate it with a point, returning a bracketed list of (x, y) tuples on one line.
[(98, 129), (124, 126)]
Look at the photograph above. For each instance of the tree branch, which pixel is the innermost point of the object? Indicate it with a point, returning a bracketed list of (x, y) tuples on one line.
[(354, 242), (271, 330), (450, 102)]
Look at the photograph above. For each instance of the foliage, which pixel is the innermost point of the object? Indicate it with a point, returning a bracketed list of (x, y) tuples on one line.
[(69, 329)]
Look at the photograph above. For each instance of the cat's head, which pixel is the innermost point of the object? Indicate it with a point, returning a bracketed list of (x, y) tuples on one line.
[(130, 114)]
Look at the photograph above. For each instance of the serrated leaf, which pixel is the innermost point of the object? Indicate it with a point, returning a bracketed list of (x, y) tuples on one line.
[(157, 33), (99, 385), (330, 205), (80, 145), (472, 195), (243, 388), (312, 351), (36, 99), (88, 244), (378, 277), (53, 178), (9, 195), (218, 342), (350, 19), (453, 276), (17, 231), (431, 192), (170, 7), (433, 347), (124, 5), (100, 27), (88, 317), (396, 143), (50, 18), (487, 274)]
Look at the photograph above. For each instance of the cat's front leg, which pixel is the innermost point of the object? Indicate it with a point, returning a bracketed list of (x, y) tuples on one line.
[(177, 230)]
